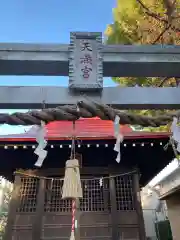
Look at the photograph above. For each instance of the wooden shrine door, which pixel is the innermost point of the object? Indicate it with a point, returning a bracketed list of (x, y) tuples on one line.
[(109, 210)]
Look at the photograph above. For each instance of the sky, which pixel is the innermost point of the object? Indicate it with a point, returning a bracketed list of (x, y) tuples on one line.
[(49, 21)]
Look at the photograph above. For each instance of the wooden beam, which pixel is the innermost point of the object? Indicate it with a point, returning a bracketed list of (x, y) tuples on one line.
[(118, 97), (118, 60)]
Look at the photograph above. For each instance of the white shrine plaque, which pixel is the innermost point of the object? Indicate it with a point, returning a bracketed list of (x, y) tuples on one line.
[(85, 61)]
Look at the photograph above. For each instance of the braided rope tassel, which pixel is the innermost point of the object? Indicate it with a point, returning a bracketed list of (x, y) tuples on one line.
[(73, 220)]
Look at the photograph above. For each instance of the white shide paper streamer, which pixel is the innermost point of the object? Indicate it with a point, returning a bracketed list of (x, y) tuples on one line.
[(42, 143), (119, 138), (175, 129)]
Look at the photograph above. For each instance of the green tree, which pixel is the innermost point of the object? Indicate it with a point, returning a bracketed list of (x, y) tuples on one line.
[(7, 192), (145, 22)]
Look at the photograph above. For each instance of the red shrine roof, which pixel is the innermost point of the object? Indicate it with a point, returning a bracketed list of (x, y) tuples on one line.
[(85, 129)]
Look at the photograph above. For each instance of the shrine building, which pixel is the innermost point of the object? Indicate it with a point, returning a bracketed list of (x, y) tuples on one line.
[(110, 207)]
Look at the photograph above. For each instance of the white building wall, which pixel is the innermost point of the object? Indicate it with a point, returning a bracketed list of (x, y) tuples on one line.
[(153, 210)]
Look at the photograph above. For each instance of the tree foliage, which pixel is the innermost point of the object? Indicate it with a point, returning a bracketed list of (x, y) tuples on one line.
[(6, 192), (145, 22)]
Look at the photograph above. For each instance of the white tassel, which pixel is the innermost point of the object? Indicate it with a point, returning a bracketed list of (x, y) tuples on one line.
[(72, 237)]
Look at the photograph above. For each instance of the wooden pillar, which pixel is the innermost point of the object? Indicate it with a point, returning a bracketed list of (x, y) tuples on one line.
[(106, 195), (77, 220), (38, 220), (114, 221), (138, 206), (14, 203)]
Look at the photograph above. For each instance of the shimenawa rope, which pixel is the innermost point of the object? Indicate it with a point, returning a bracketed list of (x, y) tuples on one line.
[(23, 173), (85, 109)]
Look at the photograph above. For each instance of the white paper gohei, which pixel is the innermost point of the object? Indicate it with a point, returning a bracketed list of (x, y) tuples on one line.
[(175, 129), (42, 143), (119, 138)]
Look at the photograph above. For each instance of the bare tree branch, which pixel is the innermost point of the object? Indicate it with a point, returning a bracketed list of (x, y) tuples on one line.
[(176, 17), (177, 81), (160, 35), (163, 81), (170, 8), (157, 16)]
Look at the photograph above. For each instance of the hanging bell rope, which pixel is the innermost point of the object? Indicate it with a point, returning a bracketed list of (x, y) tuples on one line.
[(86, 109), (72, 237), (72, 182)]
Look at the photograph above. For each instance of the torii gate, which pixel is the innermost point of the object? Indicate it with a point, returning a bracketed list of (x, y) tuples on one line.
[(86, 60)]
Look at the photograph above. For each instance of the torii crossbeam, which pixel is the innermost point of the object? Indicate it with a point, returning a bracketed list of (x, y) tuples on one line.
[(86, 60)]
